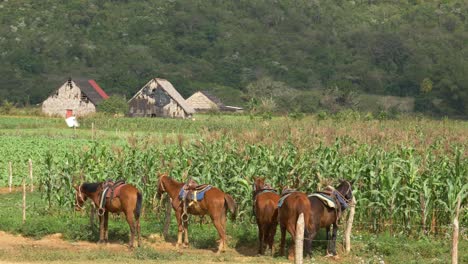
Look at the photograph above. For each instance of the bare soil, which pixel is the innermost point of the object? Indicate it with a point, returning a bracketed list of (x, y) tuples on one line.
[(19, 249)]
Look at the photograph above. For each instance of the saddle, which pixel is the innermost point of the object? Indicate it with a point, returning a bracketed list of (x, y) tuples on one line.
[(326, 199), (330, 199), (110, 190), (193, 192)]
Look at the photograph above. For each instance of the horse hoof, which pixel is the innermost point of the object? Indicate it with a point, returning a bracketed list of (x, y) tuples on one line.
[(186, 245)]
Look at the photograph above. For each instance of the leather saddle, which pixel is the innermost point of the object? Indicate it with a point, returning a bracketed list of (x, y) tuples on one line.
[(192, 191), (112, 189)]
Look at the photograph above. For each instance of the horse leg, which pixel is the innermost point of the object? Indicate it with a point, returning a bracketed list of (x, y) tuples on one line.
[(138, 230), (260, 238), (101, 229), (283, 239), (186, 242), (333, 242), (106, 227), (180, 228), (217, 221), (327, 233), (131, 224), (271, 237), (309, 237), (292, 249)]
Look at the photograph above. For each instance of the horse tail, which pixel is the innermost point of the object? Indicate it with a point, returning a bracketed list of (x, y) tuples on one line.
[(138, 205), (231, 204), (307, 216)]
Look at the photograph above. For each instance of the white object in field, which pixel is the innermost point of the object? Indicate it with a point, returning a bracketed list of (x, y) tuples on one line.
[(72, 122)]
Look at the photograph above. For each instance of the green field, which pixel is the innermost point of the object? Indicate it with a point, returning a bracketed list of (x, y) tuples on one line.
[(408, 172)]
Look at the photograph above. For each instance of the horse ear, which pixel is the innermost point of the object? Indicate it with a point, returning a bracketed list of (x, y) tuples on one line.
[(75, 187)]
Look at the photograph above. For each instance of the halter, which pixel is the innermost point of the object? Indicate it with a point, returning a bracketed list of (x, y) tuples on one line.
[(76, 199), (161, 183)]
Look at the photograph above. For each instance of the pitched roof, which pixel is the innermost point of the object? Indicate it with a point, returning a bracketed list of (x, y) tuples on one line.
[(212, 98), (92, 90), (172, 92), (167, 86)]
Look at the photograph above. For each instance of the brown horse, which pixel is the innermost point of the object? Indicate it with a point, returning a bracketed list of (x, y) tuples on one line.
[(129, 202), (292, 206), (266, 214), (215, 204), (324, 216)]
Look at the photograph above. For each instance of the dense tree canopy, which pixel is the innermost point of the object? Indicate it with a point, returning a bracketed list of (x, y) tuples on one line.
[(400, 47)]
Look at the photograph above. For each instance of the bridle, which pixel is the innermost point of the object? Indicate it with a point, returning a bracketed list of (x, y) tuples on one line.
[(161, 184), (77, 201), (343, 196)]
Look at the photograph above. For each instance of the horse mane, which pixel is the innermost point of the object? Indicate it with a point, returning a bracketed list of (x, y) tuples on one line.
[(90, 187)]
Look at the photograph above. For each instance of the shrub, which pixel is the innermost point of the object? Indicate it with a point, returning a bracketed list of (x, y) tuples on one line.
[(114, 105)]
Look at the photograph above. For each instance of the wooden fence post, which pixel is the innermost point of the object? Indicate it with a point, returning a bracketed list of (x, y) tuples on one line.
[(31, 175), (299, 243), (24, 200), (10, 178), (92, 215), (455, 233), (349, 225)]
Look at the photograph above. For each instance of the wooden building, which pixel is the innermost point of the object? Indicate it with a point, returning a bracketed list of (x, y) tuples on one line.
[(76, 97), (159, 98), (203, 101)]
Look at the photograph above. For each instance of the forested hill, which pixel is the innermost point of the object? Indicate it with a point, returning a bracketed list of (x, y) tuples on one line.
[(400, 47)]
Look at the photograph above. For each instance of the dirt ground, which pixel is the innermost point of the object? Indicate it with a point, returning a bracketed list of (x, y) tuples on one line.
[(19, 249)]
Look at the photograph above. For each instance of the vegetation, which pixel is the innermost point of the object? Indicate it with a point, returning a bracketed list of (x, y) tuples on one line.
[(408, 173), (367, 248), (403, 48), (114, 105)]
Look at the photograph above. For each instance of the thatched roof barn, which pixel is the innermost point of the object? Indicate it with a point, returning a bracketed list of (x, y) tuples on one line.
[(76, 97), (159, 98), (203, 101)]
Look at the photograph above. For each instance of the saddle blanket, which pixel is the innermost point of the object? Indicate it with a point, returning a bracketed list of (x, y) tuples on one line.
[(268, 190), (327, 200), (193, 195), (281, 200)]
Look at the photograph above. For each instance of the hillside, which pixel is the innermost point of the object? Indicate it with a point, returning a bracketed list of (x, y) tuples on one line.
[(241, 49)]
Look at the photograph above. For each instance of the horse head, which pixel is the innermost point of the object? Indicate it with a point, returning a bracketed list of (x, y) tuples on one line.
[(258, 184), (346, 189), (161, 188), (80, 197)]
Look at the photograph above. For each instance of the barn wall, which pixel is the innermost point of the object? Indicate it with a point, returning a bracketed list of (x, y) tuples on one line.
[(67, 98), (145, 106)]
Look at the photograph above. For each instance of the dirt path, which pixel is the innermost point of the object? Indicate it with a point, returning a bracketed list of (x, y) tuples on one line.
[(53, 249)]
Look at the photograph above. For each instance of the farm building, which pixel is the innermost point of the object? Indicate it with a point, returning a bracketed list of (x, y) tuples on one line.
[(159, 98), (203, 101), (76, 97)]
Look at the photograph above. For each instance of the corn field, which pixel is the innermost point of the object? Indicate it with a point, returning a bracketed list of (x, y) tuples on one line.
[(399, 188)]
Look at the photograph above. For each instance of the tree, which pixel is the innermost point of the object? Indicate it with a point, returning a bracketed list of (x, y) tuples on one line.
[(115, 104)]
